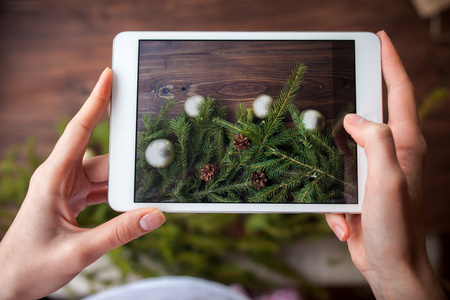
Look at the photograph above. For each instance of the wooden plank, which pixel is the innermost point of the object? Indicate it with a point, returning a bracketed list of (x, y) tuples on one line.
[(238, 72)]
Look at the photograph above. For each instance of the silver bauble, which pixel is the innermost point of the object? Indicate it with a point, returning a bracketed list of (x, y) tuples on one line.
[(192, 105), (160, 153), (261, 106), (312, 120)]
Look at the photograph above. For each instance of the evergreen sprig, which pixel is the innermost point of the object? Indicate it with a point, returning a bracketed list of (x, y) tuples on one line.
[(302, 166)]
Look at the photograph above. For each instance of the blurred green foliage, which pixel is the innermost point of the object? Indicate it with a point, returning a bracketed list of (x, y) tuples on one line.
[(432, 101), (15, 173)]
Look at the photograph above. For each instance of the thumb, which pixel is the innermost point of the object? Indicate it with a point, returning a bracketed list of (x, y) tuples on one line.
[(121, 230), (375, 138), (385, 179), (378, 144)]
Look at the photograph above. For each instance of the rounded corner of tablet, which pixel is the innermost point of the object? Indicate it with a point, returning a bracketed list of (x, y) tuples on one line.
[(123, 38), (120, 36), (114, 206)]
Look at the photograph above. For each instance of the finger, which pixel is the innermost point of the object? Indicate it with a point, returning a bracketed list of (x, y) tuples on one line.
[(96, 168), (375, 138), (339, 226), (75, 138), (401, 101), (120, 230), (403, 117), (385, 179), (97, 196)]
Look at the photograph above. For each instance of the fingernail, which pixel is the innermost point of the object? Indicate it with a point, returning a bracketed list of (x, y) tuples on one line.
[(104, 71), (354, 119), (339, 232), (152, 220)]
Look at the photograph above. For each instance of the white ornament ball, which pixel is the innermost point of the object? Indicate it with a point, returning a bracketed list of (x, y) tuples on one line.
[(192, 105), (160, 153), (261, 106), (312, 120)]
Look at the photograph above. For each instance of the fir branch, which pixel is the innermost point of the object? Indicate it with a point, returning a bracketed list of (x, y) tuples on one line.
[(228, 125), (216, 198), (220, 142), (264, 194), (223, 175), (281, 105), (208, 154), (300, 134), (286, 97), (304, 165), (147, 180), (182, 128), (169, 177), (281, 196), (202, 128), (237, 187), (241, 113), (291, 181), (146, 139), (279, 170), (308, 192), (267, 164), (316, 135), (152, 122)]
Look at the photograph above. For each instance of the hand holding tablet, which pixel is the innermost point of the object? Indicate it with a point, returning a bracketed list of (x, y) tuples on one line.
[(266, 133)]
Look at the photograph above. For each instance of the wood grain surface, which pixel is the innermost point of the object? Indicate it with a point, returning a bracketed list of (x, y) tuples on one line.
[(237, 72), (52, 52)]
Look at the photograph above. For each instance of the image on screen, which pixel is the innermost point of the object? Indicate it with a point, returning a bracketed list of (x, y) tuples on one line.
[(226, 121)]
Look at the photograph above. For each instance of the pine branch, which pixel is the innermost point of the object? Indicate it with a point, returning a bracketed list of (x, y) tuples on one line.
[(281, 105), (281, 196), (216, 198), (209, 151), (312, 134), (228, 125), (279, 170), (264, 195), (267, 164), (237, 187), (303, 165), (182, 128), (308, 193), (154, 122)]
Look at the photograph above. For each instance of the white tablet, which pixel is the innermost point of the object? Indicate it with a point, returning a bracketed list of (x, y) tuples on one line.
[(241, 122)]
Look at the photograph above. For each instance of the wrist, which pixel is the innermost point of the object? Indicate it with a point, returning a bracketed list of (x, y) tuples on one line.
[(8, 289), (13, 273), (407, 282)]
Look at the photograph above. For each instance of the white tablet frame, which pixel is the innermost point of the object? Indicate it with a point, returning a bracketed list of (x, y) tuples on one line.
[(124, 105)]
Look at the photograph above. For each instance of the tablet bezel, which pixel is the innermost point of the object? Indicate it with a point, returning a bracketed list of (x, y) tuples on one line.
[(124, 105)]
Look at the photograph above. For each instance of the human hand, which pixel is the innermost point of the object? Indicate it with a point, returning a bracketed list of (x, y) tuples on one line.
[(44, 248), (387, 241)]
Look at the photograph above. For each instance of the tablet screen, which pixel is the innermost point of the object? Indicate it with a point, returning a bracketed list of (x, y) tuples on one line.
[(245, 121)]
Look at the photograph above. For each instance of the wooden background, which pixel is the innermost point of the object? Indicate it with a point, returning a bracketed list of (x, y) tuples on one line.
[(234, 73), (52, 52)]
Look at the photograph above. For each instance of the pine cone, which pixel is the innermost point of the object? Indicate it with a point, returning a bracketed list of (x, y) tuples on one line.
[(207, 172), (241, 142), (258, 179)]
